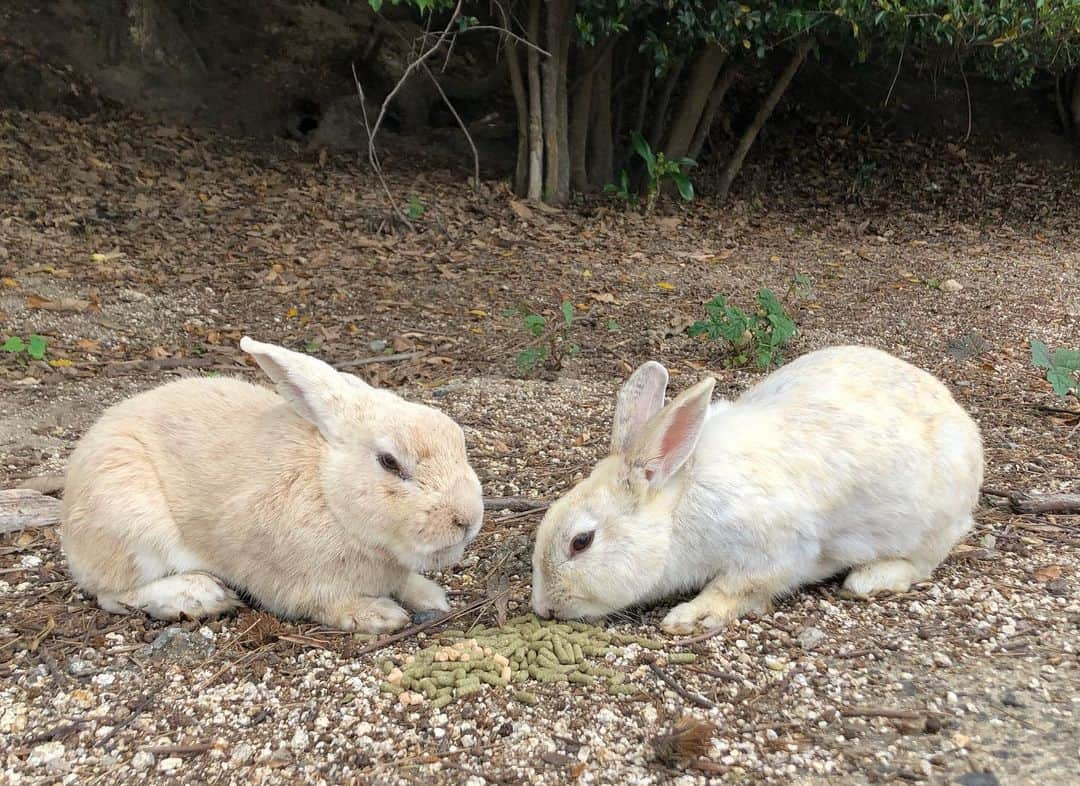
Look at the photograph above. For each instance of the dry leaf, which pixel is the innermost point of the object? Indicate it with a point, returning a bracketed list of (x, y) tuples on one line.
[(1048, 573), (63, 304), (88, 344), (665, 285), (521, 210), (602, 297), (292, 312)]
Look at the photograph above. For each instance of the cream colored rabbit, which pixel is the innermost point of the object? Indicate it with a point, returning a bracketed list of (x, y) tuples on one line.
[(847, 458), (321, 502)]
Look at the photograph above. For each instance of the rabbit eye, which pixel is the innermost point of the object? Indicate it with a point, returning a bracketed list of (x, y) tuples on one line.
[(581, 542), (390, 464)]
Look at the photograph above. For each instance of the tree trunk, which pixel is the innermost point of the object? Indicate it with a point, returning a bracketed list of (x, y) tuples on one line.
[(536, 124), (602, 158), (553, 70), (643, 100), (771, 100), (703, 76), (563, 99), (1074, 104), (716, 100), (656, 132), (580, 117), (521, 104)]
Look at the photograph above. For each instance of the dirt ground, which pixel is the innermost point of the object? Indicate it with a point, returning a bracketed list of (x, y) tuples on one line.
[(142, 252)]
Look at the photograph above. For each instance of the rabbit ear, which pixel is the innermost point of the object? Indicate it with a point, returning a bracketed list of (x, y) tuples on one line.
[(640, 397), (313, 389), (671, 436)]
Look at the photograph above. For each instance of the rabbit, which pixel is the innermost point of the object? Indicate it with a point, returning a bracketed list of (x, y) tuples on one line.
[(845, 459), (322, 501)]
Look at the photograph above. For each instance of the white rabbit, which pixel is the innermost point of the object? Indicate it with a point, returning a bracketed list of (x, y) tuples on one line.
[(321, 502), (847, 458)]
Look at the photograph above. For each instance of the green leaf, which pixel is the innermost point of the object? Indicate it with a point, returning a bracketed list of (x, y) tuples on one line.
[(573, 350), (416, 209), (567, 309), (1067, 358), (36, 347), (535, 324), (1040, 355), (528, 358), (375, 5), (697, 329), (686, 162), (1062, 379), (612, 325), (642, 148), (686, 188), (14, 344)]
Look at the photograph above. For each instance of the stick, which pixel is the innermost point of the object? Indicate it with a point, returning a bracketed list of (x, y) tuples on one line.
[(23, 509), (701, 637), (1068, 504), (140, 706), (380, 359), (179, 750), (412, 630), (516, 504), (46, 484), (693, 698), (884, 712)]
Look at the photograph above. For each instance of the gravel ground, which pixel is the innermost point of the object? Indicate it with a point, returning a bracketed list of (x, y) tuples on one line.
[(970, 678)]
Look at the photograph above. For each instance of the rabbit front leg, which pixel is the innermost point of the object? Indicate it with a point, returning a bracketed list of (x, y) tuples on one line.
[(422, 594), (715, 606)]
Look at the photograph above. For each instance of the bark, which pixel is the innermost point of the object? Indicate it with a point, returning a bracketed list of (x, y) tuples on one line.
[(521, 104), (565, 36), (22, 509), (656, 131), (580, 119), (716, 100), (553, 71), (766, 108), (536, 125), (643, 99), (1074, 104), (602, 154), (703, 76)]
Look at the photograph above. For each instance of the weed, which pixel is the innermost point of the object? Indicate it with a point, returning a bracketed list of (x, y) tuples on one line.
[(33, 349), (1062, 367), (550, 344), (659, 171), (759, 335)]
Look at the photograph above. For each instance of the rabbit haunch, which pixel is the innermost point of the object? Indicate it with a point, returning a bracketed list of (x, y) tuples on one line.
[(322, 502), (845, 459)]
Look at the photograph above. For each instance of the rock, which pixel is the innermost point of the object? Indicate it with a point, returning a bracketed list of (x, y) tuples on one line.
[(978, 779), (300, 740), (170, 764), (951, 285), (420, 617), (1010, 699), (242, 754), (810, 638), (78, 667), (143, 760), (50, 755), (177, 644), (378, 345)]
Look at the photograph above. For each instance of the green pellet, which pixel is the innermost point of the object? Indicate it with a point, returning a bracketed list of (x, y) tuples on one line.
[(579, 656), (452, 634), (554, 678), (441, 701), (580, 679), (387, 666), (389, 687), (363, 637), (468, 690), (621, 690), (520, 677), (525, 697), (648, 644), (491, 679), (531, 656), (681, 657), (443, 678)]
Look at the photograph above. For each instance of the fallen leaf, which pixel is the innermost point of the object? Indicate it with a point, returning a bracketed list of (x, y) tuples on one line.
[(9, 283), (63, 304), (665, 285), (1048, 573), (521, 210), (602, 297), (60, 363), (292, 312), (88, 344), (478, 312)]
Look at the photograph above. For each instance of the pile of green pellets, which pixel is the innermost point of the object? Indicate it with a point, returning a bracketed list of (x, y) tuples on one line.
[(525, 650)]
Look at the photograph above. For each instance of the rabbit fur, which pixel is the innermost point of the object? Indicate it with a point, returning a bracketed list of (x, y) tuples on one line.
[(322, 501), (845, 459)]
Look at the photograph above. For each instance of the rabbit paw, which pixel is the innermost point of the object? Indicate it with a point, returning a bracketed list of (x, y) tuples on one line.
[(195, 595), (369, 615), (708, 611), (423, 594), (883, 576)]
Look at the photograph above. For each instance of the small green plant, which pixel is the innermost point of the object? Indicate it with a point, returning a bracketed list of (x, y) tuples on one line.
[(1062, 367), (759, 335), (659, 171), (34, 348), (416, 209), (550, 343)]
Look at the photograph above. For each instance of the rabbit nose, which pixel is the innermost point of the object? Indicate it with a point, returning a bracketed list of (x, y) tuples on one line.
[(543, 611)]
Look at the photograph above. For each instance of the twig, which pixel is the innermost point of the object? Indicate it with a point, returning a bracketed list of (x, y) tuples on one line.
[(48, 484), (690, 696), (1019, 502), (896, 76), (412, 630), (699, 638), (179, 750), (380, 359), (516, 504), (967, 91), (140, 707), (63, 731), (461, 123), (1059, 411), (884, 712), (498, 29), (522, 515), (373, 157)]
